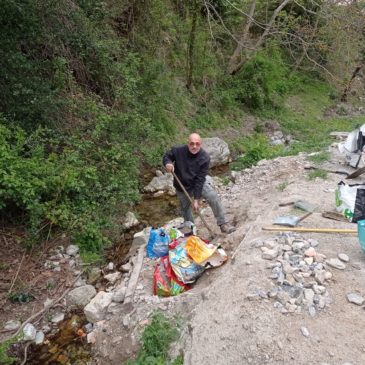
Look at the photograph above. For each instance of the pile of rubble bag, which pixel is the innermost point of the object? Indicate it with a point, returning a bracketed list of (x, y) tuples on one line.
[(181, 258)]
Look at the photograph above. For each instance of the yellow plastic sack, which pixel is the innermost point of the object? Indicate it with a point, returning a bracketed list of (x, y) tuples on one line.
[(198, 250)]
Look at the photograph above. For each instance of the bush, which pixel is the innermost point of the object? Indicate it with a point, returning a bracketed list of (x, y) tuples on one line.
[(263, 81)]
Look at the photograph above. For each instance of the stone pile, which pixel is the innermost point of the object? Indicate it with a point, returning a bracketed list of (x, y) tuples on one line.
[(299, 273)]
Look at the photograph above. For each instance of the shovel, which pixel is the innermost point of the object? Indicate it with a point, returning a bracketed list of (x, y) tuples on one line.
[(292, 220)]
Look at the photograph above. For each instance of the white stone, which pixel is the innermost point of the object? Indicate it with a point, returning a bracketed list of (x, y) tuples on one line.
[(343, 257), (72, 250), (58, 317), (119, 294), (355, 298), (12, 325), (304, 331), (29, 332), (110, 266), (139, 239), (91, 337), (112, 278), (80, 296), (126, 267), (39, 338), (336, 263), (130, 220), (95, 311)]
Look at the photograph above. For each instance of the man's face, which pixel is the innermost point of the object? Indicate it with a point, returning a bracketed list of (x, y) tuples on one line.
[(194, 144)]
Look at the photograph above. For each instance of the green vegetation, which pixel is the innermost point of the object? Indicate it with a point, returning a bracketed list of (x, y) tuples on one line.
[(93, 92), (282, 186), (317, 173), (5, 359), (155, 341), (320, 157)]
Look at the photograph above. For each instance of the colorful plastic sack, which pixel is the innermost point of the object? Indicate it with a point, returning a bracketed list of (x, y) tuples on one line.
[(165, 282), (158, 243), (198, 250), (183, 266)]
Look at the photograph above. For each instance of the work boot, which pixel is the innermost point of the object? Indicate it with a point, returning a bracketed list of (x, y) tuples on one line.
[(227, 228)]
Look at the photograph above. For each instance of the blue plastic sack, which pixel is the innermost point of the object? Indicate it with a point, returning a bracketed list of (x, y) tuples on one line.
[(158, 243)]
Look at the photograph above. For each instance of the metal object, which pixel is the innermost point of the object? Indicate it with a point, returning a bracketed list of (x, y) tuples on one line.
[(191, 202), (290, 220)]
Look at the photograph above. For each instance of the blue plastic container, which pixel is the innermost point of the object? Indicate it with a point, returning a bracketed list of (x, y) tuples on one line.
[(361, 233)]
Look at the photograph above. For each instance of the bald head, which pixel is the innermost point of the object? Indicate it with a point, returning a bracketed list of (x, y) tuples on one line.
[(194, 143)]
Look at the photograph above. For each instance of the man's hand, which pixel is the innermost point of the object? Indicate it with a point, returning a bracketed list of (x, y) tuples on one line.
[(169, 167), (196, 205)]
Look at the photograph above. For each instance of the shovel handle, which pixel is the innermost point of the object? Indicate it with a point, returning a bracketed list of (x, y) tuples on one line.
[(191, 202)]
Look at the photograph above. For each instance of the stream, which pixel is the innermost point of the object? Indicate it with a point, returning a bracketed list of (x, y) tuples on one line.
[(69, 346)]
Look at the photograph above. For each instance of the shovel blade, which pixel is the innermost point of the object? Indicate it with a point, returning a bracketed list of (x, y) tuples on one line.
[(288, 221)]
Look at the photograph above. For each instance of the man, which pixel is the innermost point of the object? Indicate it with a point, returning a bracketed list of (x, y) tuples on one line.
[(190, 164)]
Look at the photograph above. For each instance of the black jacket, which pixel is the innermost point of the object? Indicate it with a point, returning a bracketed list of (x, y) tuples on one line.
[(189, 168)]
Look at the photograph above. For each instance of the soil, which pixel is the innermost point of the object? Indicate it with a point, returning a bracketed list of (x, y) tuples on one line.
[(222, 324)]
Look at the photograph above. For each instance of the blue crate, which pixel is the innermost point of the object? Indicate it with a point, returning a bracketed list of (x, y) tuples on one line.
[(361, 233)]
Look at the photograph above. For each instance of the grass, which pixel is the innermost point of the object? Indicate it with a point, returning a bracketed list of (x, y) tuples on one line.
[(320, 157), (282, 186), (155, 342), (317, 173)]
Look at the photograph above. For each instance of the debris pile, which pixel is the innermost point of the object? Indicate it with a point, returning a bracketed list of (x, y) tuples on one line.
[(299, 272)]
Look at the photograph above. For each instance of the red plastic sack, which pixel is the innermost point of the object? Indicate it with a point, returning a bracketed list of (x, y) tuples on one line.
[(165, 282)]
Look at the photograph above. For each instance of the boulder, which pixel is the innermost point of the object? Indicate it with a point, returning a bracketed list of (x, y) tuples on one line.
[(72, 250), (29, 332), (161, 182), (96, 309), (139, 239), (218, 151), (130, 220), (80, 296)]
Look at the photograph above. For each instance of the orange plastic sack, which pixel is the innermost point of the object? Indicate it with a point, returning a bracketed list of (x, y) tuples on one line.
[(198, 250)]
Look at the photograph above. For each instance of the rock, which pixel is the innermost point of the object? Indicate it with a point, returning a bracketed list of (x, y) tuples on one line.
[(72, 250), (91, 337), (80, 296), (304, 331), (12, 325), (110, 266), (126, 267), (96, 309), (308, 296), (130, 220), (355, 298), (218, 151), (39, 338), (268, 254), (94, 275), (310, 252), (112, 278), (343, 257), (308, 260), (336, 263), (162, 182), (58, 317), (139, 239), (158, 193), (312, 311), (313, 243), (119, 294), (29, 332)]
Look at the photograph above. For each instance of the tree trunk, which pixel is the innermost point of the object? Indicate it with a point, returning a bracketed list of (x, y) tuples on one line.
[(191, 49), (237, 52), (263, 36), (349, 84)]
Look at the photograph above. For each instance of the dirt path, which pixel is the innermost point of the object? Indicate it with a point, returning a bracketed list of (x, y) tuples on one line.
[(229, 317)]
